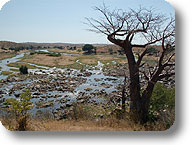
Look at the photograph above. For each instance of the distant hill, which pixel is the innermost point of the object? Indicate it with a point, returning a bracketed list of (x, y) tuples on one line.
[(9, 44), (100, 48)]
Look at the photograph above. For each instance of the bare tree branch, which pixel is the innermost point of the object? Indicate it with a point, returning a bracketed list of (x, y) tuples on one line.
[(139, 28)]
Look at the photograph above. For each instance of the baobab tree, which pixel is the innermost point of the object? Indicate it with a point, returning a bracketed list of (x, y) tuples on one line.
[(139, 28)]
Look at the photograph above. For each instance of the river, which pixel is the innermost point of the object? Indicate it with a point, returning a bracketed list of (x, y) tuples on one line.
[(87, 83)]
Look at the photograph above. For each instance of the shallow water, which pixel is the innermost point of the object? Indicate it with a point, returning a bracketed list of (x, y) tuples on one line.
[(96, 82), (5, 62)]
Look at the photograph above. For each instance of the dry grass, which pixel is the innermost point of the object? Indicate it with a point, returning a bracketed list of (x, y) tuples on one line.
[(108, 123), (67, 60), (5, 73), (6, 55), (106, 57), (66, 51), (89, 61), (81, 125), (41, 59)]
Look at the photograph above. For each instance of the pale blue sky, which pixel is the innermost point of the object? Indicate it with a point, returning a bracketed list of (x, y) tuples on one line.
[(61, 20)]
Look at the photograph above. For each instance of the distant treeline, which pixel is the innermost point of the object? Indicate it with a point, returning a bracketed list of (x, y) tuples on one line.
[(24, 48), (37, 47), (68, 47)]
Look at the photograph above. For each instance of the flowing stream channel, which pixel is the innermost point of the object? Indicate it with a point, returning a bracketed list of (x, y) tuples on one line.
[(94, 82)]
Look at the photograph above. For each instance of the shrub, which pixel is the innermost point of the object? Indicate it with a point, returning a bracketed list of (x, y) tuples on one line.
[(152, 50), (3, 48), (88, 48), (170, 49), (162, 98), (121, 51), (111, 51), (84, 112), (32, 53), (79, 50), (60, 47), (81, 112), (19, 108), (23, 69)]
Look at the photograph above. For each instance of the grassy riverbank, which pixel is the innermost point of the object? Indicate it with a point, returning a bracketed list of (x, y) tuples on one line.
[(5, 73), (70, 61), (4, 55), (19, 64)]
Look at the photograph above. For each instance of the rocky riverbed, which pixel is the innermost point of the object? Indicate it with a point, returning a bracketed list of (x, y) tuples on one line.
[(55, 89)]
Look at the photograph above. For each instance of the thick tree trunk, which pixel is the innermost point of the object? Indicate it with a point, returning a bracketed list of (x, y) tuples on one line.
[(139, 105), (146, 96), (135, 98)]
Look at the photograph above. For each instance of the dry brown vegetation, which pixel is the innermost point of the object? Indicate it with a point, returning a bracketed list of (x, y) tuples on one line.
[(50, 61), (85, 126), (110, 58), (66, 51), (64, 60), (108, 124), (4, 55), (72, 125)]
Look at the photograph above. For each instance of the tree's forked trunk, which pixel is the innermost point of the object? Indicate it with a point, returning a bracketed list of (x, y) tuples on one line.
[(139, 104)]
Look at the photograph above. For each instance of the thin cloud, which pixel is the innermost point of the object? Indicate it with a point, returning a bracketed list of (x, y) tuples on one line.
[(3, 2)]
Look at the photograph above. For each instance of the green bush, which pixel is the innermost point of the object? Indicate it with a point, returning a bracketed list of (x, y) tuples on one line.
[(32, 53), (121, 51), (79, 50), (152, 50), (20, 107), (170, 49), (162, 98), (88, 48), (111, 51), (23, 69), (3, 48)]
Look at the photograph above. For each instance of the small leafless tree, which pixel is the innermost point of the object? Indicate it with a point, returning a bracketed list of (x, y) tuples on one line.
[(125, 29)]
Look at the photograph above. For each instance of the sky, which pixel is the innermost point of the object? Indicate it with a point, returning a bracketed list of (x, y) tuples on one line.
[(57, 21)]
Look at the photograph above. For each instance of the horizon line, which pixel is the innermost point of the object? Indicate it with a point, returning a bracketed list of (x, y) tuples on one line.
[(55, 42)]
